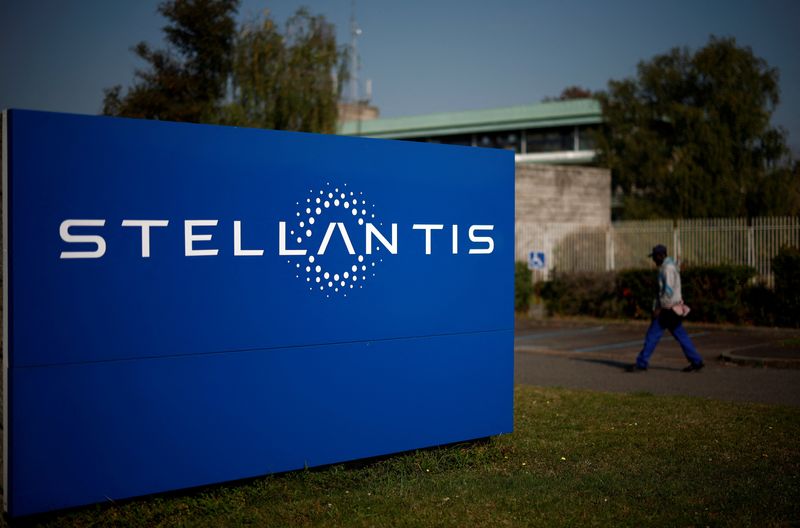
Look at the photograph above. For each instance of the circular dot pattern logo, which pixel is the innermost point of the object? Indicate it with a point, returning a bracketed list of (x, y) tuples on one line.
[(330, 224)]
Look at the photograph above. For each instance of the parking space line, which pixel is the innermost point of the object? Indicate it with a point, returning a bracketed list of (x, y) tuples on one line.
[(559, 333)]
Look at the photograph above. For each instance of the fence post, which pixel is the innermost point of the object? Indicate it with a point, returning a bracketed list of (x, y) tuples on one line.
[(610, 248), (676, 240), (548, 254)]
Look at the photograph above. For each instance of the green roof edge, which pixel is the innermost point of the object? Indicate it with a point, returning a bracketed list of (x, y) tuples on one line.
[(557, 113)]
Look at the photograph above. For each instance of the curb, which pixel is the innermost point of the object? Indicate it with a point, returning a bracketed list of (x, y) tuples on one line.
[(750, 361)]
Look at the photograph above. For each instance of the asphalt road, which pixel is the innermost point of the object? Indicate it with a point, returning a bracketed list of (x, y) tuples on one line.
[(593, 355)]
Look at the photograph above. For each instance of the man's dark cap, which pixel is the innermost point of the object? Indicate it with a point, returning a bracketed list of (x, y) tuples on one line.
[(658, 250)]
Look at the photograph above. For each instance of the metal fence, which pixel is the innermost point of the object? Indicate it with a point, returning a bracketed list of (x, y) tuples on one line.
[(623, 245)]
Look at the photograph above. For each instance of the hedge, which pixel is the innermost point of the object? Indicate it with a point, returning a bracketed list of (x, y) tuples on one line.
[(523, 287), (588, 293), (786, 269), (716, 294)]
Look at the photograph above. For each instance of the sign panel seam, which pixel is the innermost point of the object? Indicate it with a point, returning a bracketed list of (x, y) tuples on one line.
[(259, 349)]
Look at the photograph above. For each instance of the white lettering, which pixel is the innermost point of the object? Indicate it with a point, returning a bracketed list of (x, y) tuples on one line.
[(327, 238), (237, 243), (97, 240), (479, 236), (481, 239), (282, 242), (428, 228), (372, 230), (190, 238), (145, 225)]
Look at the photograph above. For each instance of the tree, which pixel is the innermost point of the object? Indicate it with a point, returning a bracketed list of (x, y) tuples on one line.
[(187, 81), (690, 136), (255, 77), (571, 92), (287, 81)]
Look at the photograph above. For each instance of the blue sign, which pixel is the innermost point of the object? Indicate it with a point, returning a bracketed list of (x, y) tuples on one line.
[(190, 304), (536, 260)]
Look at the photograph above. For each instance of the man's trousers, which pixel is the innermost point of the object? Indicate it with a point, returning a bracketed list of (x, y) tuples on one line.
[(667, 320)]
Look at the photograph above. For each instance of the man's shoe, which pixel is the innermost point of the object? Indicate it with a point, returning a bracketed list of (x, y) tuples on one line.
[(694, 367), (635, 368)]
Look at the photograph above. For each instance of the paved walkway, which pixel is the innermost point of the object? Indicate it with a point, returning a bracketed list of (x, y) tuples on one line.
[(742, 364)]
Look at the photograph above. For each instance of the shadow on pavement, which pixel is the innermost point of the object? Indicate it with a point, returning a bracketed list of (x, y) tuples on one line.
[(622, 365)]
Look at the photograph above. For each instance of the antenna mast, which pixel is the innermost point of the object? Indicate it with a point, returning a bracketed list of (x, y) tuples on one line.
[(355, 65)]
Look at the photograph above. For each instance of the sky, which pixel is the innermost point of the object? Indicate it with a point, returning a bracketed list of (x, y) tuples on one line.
[(422, 56)]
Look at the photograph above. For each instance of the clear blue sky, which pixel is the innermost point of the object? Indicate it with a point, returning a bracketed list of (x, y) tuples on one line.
[(422, 56)]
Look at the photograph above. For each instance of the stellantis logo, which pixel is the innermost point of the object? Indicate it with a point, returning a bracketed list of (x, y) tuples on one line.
[(340, 208), (319, 241)]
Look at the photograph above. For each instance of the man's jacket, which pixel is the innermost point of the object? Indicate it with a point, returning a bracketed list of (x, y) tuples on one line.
[(669, 284)]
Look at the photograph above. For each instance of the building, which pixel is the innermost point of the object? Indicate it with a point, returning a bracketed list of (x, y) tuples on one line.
[(360, 111), (557, 132), (557, 184)]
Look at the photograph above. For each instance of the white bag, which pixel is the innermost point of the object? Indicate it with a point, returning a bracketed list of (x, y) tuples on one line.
[(681, 309)]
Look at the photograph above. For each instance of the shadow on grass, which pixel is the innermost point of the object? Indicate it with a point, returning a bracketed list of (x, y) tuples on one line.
[(45, 518)]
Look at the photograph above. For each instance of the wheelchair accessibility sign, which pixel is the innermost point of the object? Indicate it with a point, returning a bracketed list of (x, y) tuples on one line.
[(536, 260)]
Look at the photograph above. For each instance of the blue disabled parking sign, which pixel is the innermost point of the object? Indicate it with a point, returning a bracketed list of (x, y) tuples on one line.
[(536, 260)]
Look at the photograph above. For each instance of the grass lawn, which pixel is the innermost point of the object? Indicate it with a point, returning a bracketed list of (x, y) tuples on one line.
[(576, 458)]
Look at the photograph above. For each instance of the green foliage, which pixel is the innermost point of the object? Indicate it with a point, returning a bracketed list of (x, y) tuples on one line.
[(285, 81), (586, 293), (523, 287), (690, 137), (786, 268), (186, 81), (760, 302), (637, 288), (716, 293), (571, 92)]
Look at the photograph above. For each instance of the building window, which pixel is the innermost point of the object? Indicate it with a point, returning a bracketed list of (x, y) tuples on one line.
[(509, 140), (458, 139), (586, 139), (550, 139)]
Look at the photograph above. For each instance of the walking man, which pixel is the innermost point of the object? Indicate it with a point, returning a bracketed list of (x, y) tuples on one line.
[(668, 302)]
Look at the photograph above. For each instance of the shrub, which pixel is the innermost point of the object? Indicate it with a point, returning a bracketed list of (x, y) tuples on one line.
[(637, 288), (760, 302), (586, 293), (715, 293), (523, 287), (786, 269)]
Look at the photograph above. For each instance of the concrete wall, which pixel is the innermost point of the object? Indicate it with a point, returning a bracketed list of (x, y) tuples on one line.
[(562, 193)]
